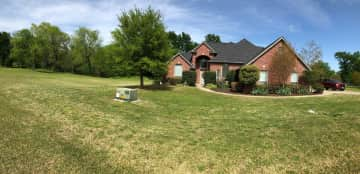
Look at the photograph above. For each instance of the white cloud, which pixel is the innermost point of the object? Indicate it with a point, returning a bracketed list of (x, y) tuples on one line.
[(102, 16)]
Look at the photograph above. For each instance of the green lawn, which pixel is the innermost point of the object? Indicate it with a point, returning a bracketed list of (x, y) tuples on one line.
[(63, 123), (353, 88)]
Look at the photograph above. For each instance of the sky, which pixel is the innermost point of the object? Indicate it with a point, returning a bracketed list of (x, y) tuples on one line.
[(333, 24)]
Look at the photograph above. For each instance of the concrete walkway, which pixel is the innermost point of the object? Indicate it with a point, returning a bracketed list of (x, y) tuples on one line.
[(326, 93)]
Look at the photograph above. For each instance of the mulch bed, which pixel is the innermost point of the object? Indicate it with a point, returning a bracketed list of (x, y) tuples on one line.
[(228, 91)]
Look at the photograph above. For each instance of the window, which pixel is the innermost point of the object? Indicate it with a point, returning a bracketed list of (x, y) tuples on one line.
[(178, 70), (263, 76), (294, 78), (225, 70), (203, 63)]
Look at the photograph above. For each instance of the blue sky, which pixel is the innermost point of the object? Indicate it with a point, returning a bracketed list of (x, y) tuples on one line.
[(333, 24)]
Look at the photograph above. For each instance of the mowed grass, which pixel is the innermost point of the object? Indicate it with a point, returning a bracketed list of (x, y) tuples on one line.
[(353, 88), (64, 123)]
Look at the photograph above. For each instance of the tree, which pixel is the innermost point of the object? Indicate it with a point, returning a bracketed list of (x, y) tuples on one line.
[(356, 78), (50, 46), (144, 42), (319, 71), (21, 54), (84, 46), (349, 62), (181, 42), (212, 38), (311, 53), (322, 70), (5, 47), (282, 65)]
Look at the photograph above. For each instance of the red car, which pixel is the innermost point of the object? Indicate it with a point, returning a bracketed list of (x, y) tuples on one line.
[(333, 84)]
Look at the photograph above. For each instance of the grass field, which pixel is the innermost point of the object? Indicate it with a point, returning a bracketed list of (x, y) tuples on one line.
[(63, 123), (353, 88)]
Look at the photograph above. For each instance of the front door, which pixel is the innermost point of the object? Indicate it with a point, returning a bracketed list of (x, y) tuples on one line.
[(202, 82)]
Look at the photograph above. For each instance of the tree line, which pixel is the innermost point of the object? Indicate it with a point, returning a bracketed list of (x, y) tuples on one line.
[(141, 46)]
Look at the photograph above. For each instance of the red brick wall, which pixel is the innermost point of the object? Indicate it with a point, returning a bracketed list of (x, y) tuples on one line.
[(202, 50), (264, 62), (177, 60)]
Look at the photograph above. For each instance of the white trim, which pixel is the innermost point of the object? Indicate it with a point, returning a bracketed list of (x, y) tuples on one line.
[(272, 45)]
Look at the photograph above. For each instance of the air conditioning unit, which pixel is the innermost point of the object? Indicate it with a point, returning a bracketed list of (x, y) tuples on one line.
[(126, 94)]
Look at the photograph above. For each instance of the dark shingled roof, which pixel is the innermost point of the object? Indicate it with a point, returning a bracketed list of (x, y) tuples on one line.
[(241, 52), (187, 55)]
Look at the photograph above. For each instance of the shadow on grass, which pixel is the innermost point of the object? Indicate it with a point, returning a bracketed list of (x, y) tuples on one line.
[(30, 151)]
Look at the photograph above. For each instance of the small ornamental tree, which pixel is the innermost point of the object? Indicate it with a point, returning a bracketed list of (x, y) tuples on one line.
[(249, 75), (282, 65)]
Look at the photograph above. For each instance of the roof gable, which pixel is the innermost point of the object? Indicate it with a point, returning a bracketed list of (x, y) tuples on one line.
[(269, 47), (181, 56)]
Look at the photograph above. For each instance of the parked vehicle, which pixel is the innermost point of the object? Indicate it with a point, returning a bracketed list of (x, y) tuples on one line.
[(333, 84)]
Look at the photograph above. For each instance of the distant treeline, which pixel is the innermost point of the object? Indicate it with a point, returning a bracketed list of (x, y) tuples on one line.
[(46, 46)]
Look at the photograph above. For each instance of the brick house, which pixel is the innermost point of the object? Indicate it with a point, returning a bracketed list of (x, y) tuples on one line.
[(222, 57)]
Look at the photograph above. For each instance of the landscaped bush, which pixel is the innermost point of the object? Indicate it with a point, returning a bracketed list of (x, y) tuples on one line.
[(260, 90), (232, 76), (221, 84), (318, 87), (209, 77), (284, 91), (189, 78), (248, 76), (303, 90), (211, 86), (174, 80)]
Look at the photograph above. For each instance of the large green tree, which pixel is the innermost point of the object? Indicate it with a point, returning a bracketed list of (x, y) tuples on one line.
[(21, 53), (84, 46), (212, 38), (348, 63), (322, 70), (181, 42), (5, 47), (50, 45), (144, 42)]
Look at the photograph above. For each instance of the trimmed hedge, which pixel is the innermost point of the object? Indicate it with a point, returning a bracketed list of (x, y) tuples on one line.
[(209, 77), (174, 80), (189, 78), (232, 76), (249, 75)]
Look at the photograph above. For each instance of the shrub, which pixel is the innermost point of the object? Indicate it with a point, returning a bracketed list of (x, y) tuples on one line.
[(318, 87), (221, 84), (174, 80), (303, 90), (209, 77), (232, 76), (211, 86), (249, 75), (260, 90), (189, 78), (283, 91)]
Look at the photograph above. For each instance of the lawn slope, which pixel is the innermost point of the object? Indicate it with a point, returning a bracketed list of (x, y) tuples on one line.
[(64, 123)]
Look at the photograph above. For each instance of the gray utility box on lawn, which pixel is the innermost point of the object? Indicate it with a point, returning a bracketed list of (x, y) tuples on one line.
[(126, 94)]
